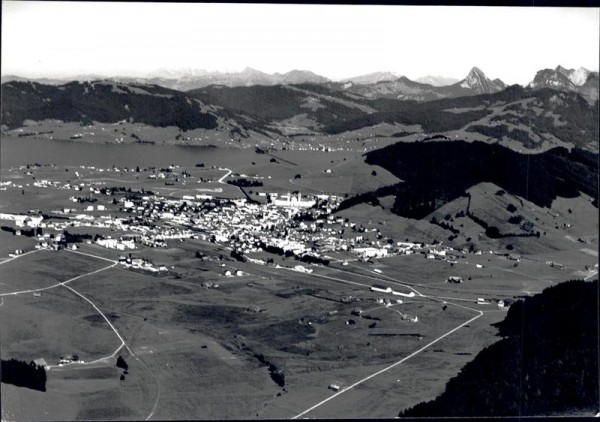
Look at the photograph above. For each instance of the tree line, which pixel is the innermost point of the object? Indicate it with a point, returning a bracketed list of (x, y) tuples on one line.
[(23, 374)]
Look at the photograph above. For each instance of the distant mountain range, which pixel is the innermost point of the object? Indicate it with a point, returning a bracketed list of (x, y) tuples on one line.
[(559, 108), (436, 80), (373, 85), (372, 78), (86, 102), (403, 88)]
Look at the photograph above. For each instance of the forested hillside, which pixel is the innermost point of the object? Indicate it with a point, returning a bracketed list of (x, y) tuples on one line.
[(545, 364)]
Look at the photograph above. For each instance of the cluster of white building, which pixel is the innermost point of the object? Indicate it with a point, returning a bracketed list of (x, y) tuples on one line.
[(23, 220), (118, 244)]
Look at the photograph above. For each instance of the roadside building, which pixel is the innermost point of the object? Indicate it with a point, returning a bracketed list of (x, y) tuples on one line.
[(41, 362), (371, 252), (381, 289), (334, 386)]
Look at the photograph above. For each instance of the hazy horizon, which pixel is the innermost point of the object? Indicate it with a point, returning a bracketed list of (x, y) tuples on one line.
[(65, 39), (176, 73)]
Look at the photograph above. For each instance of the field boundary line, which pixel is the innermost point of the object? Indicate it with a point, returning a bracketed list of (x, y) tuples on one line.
[(61, 283), (330, 278), (93, 256)]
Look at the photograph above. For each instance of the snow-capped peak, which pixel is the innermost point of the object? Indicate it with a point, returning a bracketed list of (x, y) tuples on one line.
[(579, 76), (436, 80)]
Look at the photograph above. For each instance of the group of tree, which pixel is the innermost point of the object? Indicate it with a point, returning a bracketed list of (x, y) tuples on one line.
[(24, 232), (23, 374), (312, 259), (76, 237), (245, 183), (238, 255), (123, 365)]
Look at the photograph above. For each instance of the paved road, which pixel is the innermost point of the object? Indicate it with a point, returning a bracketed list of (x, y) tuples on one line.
[(222, 179), (479, 314), (19, 256)]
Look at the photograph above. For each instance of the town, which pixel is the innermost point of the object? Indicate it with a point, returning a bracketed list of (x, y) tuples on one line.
[(304, 227)]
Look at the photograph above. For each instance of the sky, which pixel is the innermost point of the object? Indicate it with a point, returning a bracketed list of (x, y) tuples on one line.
[(60, 39)]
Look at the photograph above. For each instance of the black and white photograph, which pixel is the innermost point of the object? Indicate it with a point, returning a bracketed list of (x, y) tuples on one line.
[(242, 211)]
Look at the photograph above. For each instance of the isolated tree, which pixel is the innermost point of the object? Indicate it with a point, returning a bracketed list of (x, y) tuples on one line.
[(492, 232)]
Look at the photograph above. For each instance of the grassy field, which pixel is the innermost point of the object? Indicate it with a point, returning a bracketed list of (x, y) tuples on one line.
[(168, 321), (417, 379), (84, 393), (61, 323), (39, 270), (57, 323), (9, 243)]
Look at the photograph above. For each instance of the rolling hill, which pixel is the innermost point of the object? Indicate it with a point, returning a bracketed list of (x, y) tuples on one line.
[(438, 172), (537, 115), (103, 102), (304, 106)]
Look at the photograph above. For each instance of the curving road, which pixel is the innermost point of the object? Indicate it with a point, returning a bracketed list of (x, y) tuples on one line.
[(65, 285), (112, 327)]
